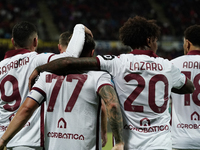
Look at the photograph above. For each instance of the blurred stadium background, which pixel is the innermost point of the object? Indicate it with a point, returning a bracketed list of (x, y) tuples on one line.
[(103, 18)]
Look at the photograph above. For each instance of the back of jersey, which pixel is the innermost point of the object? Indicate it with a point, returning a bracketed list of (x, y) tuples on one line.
[(73, 109), (143, 84), (185, 108), (14, 74)]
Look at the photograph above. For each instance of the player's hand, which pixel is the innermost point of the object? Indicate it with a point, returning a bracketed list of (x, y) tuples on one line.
[(2, 145), (104, 138), (88, 31), (32, 79), (118, 147)]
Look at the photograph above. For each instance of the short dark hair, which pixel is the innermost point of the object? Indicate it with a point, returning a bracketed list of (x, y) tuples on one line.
[(192, 33), (136, 30), (89, 45), (22, 32), (65, 38)]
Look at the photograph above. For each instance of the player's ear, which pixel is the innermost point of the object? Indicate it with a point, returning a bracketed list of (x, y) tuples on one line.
[(13, 42), (35, 42), (92, 53), (188, 45), (59, 48), (149, 42)]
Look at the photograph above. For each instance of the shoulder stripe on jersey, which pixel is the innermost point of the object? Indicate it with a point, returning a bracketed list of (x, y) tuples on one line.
[(103, 85), (50, 57)]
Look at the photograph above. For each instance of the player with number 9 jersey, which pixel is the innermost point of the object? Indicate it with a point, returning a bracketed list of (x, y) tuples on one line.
[(15, 70), (186, 108)]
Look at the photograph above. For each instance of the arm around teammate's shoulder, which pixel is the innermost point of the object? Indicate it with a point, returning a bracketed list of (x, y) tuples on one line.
[(186, 89)]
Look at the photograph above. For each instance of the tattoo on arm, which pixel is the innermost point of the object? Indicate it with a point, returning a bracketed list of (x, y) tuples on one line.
[(63, 66), (110, 98)]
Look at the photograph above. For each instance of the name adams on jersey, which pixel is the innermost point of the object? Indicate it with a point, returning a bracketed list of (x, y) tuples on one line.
[(191, 64)]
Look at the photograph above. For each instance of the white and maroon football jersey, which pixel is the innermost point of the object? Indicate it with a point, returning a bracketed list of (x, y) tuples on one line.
[(186, 108), (143, 83), (73, 109), (15, 70)]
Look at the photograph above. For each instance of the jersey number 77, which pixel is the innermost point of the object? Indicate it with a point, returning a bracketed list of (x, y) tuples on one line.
[(81, 80)]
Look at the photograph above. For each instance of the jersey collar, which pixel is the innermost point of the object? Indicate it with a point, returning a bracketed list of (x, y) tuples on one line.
[(194, 52), (15, 52), (144, 52)]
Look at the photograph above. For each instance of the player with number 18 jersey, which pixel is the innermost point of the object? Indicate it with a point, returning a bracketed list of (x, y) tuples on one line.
[(185, 108)]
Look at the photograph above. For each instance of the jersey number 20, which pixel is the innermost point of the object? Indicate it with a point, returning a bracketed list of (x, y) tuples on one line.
[(151, 93)]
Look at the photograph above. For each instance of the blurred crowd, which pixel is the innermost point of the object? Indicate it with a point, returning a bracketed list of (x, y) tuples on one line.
[(104, 17), (12, 11), (182, 14)]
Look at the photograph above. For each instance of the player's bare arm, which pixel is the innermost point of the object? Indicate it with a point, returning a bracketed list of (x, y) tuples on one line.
[(65, 66), (188, 88), (103, 124), (110, 98)]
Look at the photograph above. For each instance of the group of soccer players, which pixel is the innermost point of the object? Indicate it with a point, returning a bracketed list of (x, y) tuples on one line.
[(144, 84)]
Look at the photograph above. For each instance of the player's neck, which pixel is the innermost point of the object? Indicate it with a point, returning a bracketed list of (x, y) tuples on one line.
[(16, 48), (194, 48)]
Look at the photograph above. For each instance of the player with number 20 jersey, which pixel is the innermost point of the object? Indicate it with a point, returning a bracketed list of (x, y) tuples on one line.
[(143, 82)]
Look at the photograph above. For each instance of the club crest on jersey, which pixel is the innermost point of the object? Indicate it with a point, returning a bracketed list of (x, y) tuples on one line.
[(195, 116), (108, 57), (62, 123), (145, 122)]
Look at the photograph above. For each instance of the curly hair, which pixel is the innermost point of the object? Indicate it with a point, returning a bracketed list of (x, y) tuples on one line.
[(136, 30), (192, 34), (22, 33)]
